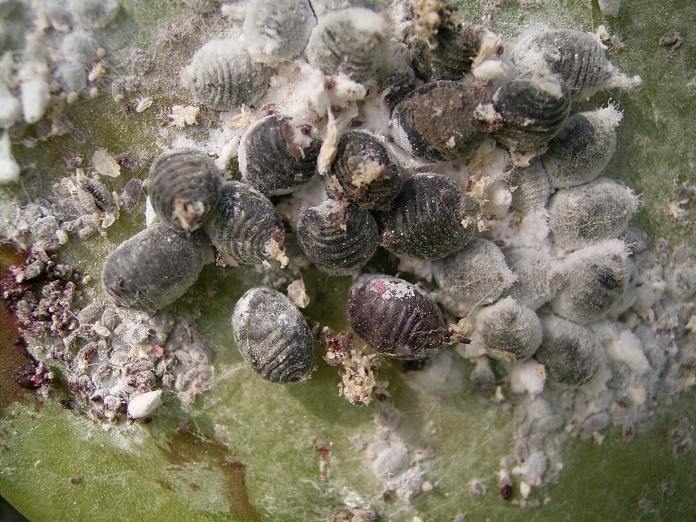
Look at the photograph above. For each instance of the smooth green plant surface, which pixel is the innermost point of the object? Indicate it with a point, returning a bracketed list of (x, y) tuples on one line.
[(245, 450)]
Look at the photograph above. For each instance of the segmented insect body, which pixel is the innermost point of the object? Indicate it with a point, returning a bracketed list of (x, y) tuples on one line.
[(581, 216), (451, 53), (442, 120), (533, 107), (272, 336), (184, 187), (430, 219), (93, 192), (582, 148), (352, 42), (153, 268), (222, 75), (396, 86), (596, 278), (131, 193), (277, 156), (363, 172), (569, 352), (538, 276), (245, 225), (475, 276), (509, 330), (277, 30), (395, 317), (576, 56), (531, 187), (338, 239)]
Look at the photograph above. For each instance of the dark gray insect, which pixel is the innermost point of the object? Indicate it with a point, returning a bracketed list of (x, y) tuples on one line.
[(441, 120), (532, 187), (396, 86), (277, 30), (475, 276), (363, 172), (352, 42), (273, 336), (582, 148), (596, 278), (430, 219), (569, 352), (339, 239), (222, 75), (184, 187), (510, 331), (576, 56), (245, 225), (538, 276), (396, 318), (277, 156), (94, 190), (153, 268), (581, 216), (533, 107), (131, 193), (450, 55)]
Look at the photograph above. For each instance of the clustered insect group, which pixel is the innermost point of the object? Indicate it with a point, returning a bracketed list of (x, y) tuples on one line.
[(451, 90)]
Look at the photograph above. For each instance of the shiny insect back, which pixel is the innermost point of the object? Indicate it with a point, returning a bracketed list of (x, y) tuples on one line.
[(363, 172), (273, 336), (154, 268), (277, 30), (339, 239), (430, 219), (570, 353), (582, 148), (444, 120), (396, 318), (184, 187), (533, 107), (595, 280), (510, 331), (246, 227), (351, 42), (278, 155), (581, 216), (222, 75)]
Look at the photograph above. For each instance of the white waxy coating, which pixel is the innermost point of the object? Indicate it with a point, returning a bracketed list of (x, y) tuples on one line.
[(9, 169), (143, 404), (34, 92)]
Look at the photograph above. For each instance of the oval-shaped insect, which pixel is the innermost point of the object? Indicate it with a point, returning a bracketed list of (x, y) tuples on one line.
[(581, 216), (475, 276), (450, 55), (245, 225), (510, 331), (273, 336), (351, 42), (94, 14), (363, 172), (153, 268), (569, 352), (339, 239), (430, 219), (441, 120), (576, 56), (531, 187), (596, 278), (538, 276), (582, 148), (222, 75), (533, 107), (396, 318), (277, 30), (184, 187), (277, 156)]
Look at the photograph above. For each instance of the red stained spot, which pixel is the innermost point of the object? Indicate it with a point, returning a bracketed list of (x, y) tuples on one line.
[(378, 286), (158, 350)]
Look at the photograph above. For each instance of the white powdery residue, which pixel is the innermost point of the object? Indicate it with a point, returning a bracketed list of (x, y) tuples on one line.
[(144, 404), (628, 348), (527, 377), (311, 194), (609, 116), (9, 169), (420, 267), (105, 164), (397, 290), (336, 126), (234, 11), (490, 46), (375, 116), (490, 70), (533, 469), (150, 214), (181, 115), (143, 104), (10, 108), (298, 293), (34, 91)]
